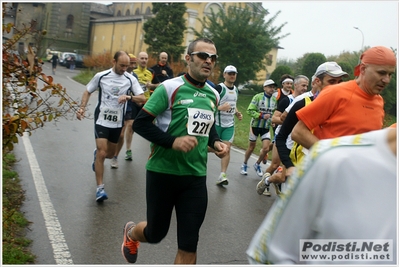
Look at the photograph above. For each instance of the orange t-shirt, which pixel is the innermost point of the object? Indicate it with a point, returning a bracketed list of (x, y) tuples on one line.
[(343, 109)]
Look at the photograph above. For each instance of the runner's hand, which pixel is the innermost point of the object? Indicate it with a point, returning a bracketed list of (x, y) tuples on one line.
[(221, 149), (185, 143)]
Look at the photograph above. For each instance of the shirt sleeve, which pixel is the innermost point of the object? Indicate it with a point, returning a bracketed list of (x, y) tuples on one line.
[(283, 104), (93, 84), (252, 109), (292, 218), (144, 126), (285, 130), (317, 112), (136, 88)]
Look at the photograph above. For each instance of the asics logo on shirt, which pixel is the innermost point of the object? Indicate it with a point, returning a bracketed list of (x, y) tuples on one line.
[(199, 94), (203, 116)]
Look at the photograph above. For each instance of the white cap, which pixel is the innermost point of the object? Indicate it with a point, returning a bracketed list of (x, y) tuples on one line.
[(269, 82), (331, 68), (230, 68)]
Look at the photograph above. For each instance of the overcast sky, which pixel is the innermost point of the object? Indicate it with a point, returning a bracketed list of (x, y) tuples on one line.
[(327, 26)]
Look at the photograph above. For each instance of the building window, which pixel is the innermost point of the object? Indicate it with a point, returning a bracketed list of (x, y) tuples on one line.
[(269, 59), (148, 11), (119, 13), (214, 7), (137, 11), (69, 24), (127, 12)]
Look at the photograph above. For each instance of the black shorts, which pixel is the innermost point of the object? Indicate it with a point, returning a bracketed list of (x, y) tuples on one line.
[(111, 134), (129, 115), (188, 195), (135, 110)]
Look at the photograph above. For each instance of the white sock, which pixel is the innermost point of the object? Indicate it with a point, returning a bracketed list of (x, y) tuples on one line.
[(100, 187)]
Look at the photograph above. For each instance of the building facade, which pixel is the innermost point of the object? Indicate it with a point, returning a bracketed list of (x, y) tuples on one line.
[(92, 28), (124, 30)]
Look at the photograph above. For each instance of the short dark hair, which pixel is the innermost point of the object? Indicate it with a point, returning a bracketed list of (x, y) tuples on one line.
[(285, 76), (118, 54), (192, 45)]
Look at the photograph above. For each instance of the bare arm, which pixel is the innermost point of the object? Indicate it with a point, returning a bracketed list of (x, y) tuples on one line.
[(303, 136), (139, 99), (276, 118), (238, 114), (82, 109), (284, 115)]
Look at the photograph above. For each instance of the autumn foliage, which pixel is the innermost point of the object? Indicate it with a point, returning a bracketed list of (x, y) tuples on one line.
[(30, 98)]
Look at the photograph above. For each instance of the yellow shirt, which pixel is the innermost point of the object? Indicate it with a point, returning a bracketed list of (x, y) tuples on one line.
[(145, 76)]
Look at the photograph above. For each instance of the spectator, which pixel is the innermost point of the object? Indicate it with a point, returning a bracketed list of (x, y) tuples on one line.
[(54, 62), (162, 70)]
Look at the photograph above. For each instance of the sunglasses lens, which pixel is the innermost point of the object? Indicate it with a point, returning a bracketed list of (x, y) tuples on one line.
[(205, 56)]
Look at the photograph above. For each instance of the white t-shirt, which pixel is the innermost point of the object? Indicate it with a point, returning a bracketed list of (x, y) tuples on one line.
[(109, 113), (344, 189), (296, 99)]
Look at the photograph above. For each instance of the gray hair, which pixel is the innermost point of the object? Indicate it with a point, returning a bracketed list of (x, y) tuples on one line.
[(299, 77)]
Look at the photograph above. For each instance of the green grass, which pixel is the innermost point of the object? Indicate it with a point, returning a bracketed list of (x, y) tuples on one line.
[(15, 245), (84, 76)]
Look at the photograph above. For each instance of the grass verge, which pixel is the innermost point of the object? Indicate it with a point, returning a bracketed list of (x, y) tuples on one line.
[(15, 245)]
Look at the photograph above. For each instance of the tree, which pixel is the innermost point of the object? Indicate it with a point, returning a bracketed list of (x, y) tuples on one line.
[(347, 68), (30, 98), (242, 38), (280, 71), (312, 61), (165, 31)]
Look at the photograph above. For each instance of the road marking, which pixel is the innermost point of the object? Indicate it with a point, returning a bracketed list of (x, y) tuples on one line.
[(60, 248)]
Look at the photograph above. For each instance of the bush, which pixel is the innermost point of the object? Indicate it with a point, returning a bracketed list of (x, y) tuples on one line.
[(98, 62)]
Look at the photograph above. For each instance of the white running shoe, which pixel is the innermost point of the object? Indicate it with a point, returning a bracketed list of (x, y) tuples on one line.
[(222, 180), (261, 186), (114, 163), (244, 168), (258, 169)]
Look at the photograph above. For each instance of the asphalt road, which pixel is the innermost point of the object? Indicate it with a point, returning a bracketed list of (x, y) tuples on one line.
[(69, 227)]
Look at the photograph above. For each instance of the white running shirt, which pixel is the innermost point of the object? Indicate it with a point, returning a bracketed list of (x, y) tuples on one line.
[(109, 113)]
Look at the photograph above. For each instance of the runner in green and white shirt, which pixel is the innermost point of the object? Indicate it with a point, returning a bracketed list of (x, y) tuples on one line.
[(224, 119), (182, 110), (260, 109)]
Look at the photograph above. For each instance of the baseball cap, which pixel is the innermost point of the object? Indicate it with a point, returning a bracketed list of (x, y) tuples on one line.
[(230, 68), (331, 68), (377, 55), (269, 82), (132, 58)]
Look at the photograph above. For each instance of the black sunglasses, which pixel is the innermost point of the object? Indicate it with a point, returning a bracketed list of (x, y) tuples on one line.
[(205, 56)]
